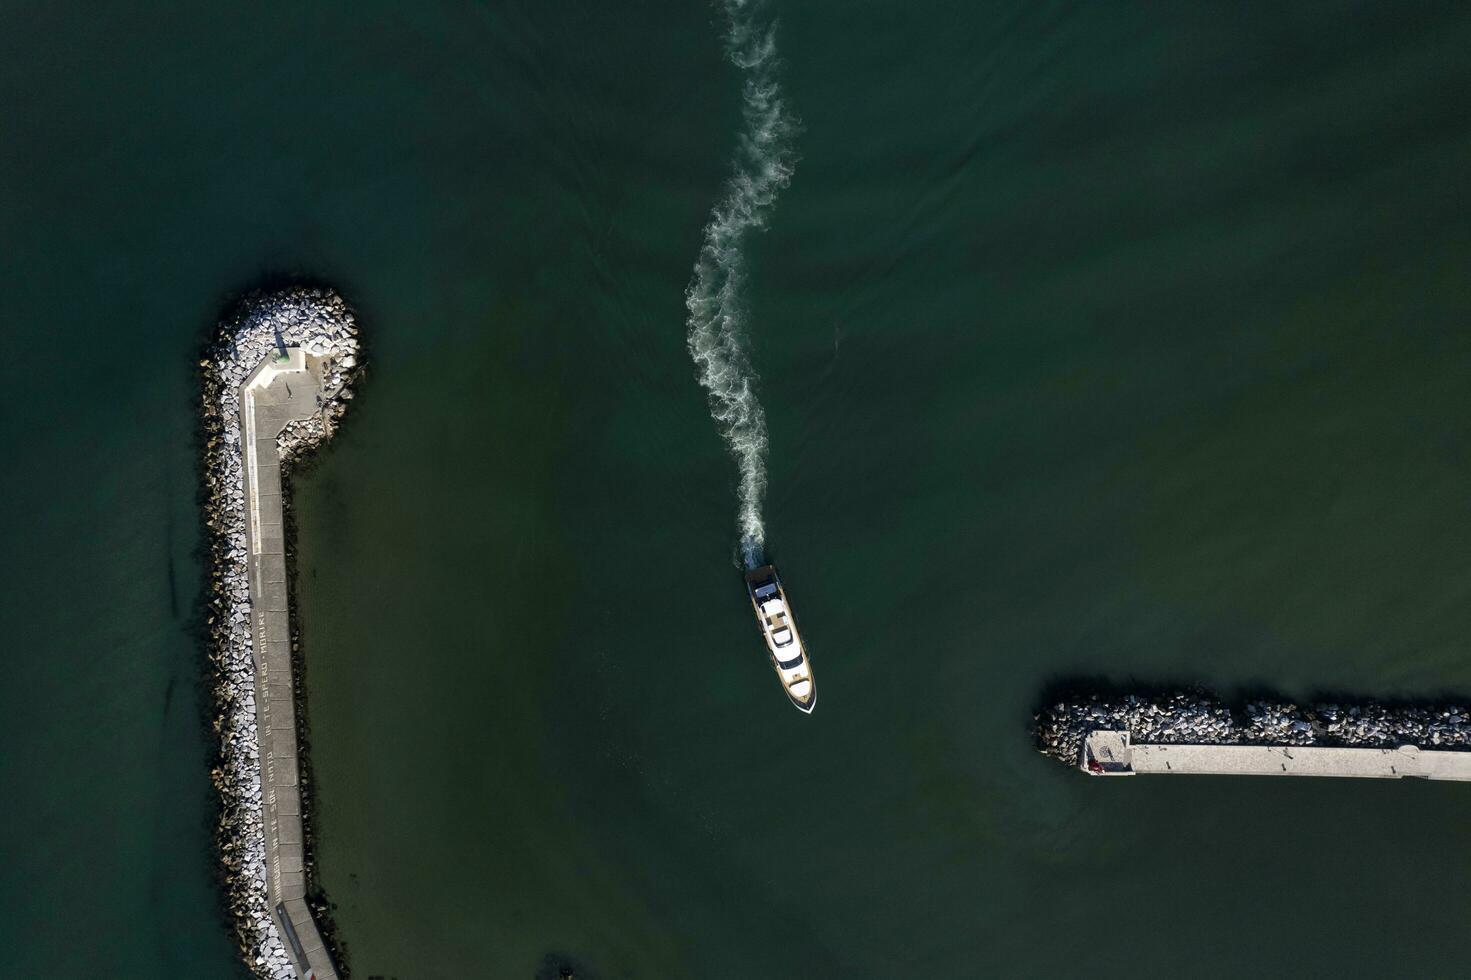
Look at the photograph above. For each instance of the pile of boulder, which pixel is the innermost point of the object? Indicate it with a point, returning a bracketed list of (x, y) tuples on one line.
[(1197, 717), (318, 320)]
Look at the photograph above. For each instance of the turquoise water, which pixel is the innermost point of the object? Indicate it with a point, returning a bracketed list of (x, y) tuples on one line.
[(1092, 341)]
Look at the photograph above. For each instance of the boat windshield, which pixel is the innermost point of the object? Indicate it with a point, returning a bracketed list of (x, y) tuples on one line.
[(782, 637)]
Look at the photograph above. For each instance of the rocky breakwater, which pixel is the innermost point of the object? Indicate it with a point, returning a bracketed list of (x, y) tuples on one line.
[(320, 322), (1200, 718)]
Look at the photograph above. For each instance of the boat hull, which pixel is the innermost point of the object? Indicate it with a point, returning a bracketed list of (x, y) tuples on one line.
[(778, 625)]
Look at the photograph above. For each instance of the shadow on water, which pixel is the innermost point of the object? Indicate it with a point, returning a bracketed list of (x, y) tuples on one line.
[(1081, 688), (561, 966)]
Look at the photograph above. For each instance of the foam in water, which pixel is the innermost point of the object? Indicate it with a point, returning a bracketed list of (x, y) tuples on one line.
[(717, 328)]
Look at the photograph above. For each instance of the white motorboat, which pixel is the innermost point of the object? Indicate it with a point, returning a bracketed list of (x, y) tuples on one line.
[(779, 629)]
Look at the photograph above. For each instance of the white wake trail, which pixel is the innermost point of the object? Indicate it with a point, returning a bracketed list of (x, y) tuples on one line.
[(717, 334)]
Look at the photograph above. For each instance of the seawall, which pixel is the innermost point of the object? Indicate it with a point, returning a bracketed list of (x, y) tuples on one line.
[(1183, 730), (261, 412)]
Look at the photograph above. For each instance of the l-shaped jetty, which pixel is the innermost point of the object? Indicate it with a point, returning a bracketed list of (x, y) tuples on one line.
[(276, 381), (1192, 732)]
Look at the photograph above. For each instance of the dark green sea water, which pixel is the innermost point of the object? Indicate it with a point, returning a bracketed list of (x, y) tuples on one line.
[(1094, 340)]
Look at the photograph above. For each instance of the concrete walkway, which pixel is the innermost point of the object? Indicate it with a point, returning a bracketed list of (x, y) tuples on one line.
[(277, 392), (1110, 753)]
